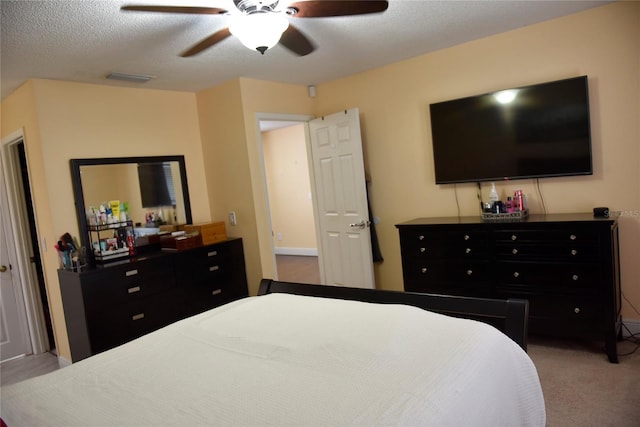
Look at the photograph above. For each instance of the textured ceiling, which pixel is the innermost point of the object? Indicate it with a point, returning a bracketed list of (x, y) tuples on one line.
[(84, 40)]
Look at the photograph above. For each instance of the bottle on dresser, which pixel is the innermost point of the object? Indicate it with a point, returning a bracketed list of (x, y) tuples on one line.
[(493, 194), (518, 201), (509, 204)]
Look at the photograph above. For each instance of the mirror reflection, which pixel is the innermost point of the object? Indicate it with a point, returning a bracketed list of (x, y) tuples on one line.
[(145, 193)]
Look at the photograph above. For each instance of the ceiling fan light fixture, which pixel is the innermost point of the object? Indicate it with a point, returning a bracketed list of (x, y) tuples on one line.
[(259, 30)]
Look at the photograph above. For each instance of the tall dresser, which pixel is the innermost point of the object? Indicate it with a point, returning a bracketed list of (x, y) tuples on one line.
[(566, 265), (114, 303)]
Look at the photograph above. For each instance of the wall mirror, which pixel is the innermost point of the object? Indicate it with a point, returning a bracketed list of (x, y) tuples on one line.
[(153, 190)]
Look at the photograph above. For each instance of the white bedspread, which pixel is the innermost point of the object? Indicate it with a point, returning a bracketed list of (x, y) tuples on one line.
[(290, 360)]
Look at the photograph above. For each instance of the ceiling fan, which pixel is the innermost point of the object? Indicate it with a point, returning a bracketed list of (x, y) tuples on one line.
[(261, 24)]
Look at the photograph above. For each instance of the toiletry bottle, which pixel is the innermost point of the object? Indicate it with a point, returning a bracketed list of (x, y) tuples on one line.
[(123, 213), (509, 204), (493, 194), (519, 200)]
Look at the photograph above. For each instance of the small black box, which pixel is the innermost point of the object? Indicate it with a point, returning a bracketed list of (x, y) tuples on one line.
[(601, 212)]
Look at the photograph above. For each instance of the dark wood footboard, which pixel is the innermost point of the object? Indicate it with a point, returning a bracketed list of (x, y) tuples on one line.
[(510, 316)]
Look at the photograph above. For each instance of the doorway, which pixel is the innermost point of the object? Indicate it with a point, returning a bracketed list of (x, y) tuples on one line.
[(290, 200), (342, 220), (35, 259), (25, 244)]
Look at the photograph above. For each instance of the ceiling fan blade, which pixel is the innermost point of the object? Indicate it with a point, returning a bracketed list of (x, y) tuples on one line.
[(207, 43), (324, 8), (175, 9), (295, 41)]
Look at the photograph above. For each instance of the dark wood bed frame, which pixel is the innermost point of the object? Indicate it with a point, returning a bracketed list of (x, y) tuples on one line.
[(510, 316)]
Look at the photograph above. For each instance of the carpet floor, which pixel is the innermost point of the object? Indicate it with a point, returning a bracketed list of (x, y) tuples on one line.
[(581, 387)]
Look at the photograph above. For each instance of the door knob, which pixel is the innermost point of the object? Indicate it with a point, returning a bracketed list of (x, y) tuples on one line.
[(3, 268), (361, 225)]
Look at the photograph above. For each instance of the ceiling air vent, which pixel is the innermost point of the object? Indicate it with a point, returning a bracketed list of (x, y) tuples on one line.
[(135, 78)]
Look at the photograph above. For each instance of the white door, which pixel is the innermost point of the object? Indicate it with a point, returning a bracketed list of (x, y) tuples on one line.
[(13, 338), (341, 200)]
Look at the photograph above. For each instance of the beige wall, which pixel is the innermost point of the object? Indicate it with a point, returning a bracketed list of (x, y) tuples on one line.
[(233, 160), (289, 188), (65, 120), (603, 43)]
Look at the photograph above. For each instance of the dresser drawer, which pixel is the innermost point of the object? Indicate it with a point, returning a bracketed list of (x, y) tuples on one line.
[(207, 296), (572, 309), (152, 313), (444, 244), (204, 266), (548, 277), (123, 284), (535, 234), (575, 252), (110, 326), (576, 316), (447, 272)]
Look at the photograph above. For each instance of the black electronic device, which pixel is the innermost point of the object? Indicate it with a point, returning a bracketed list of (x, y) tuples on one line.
[(156, 184), (542, 130), (601, 212)]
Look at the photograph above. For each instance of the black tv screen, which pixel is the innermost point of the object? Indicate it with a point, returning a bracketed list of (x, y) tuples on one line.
[(534, 131), (154, 184)]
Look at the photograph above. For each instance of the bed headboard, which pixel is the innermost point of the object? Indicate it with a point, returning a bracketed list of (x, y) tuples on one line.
[(510, 315)]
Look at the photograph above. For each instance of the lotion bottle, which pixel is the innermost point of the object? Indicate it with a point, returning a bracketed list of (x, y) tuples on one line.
[(493, 194)]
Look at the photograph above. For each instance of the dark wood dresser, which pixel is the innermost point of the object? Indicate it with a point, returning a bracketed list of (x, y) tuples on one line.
[(114, 303), (566, 265)]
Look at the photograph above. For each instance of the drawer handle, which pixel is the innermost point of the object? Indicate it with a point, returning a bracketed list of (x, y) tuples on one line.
[(574, 277), (212, 253), (422, 250), (516, 274), (131, 273), (573, 237), (574, 252), (467, 237), (576, 310), (133, 289), (514, 237), (423, 270), (469, 272), (216, 292), (468, 250), (420, 237), (514, 251), (137, 316), (214, 268)]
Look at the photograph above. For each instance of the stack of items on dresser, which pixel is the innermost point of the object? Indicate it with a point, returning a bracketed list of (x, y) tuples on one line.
[(514, 207), (181, 237)]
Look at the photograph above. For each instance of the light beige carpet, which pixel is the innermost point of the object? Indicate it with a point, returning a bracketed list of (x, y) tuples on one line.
[(581, 387)]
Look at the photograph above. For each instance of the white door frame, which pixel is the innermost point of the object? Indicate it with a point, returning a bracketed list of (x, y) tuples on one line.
[(303, 119), (19, 243)]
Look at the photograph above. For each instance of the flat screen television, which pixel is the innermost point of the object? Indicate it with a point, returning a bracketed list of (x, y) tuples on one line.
[(542, 130), (156, 184)]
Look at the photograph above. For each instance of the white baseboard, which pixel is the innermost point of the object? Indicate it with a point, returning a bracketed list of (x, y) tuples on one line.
[(632, 327), (296, 251), (62, 362)]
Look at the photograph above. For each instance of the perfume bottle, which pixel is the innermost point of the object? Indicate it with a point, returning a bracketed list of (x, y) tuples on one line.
[(519, 200), (509, 205)]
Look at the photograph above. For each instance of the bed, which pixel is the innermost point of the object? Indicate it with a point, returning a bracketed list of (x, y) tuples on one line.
[(303, 355)]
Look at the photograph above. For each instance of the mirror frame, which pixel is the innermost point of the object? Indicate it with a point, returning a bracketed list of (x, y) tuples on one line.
[(78, 194)]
